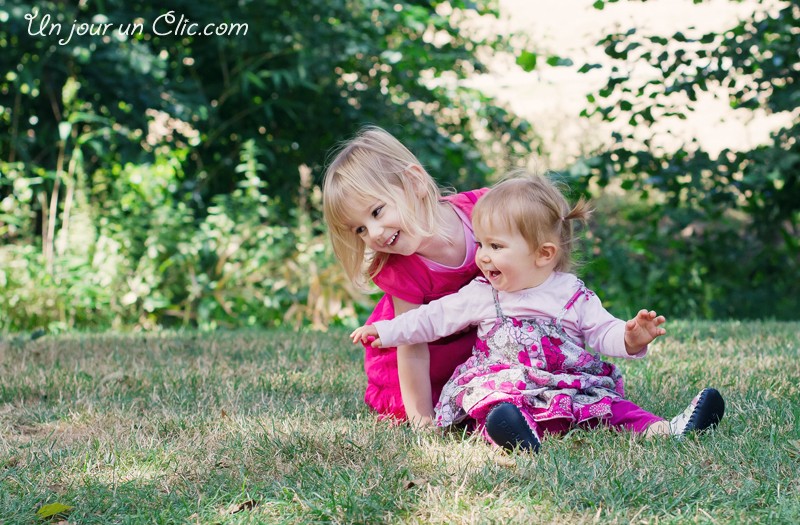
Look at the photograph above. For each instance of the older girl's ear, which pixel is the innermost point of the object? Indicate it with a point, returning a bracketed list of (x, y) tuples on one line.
[(417, 176)]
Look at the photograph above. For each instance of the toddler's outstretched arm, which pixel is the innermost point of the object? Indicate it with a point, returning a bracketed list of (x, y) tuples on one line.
[(366, 334), (642, 330)]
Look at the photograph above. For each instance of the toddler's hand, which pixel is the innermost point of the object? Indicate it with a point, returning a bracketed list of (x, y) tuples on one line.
[(642, 330), (367, 334)]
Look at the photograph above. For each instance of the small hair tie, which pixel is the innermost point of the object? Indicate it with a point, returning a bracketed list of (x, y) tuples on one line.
[(563, 218)]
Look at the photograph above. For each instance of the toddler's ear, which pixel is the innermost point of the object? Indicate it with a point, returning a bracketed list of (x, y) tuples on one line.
[(546, 253)]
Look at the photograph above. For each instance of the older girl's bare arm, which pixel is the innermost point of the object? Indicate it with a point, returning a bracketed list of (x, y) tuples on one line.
[(413, 369)]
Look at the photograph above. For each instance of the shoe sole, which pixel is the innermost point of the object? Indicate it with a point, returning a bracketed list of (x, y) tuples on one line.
[(707, 413), (508, 428)]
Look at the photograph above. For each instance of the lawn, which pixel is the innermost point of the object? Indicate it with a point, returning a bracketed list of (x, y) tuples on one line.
[(269, 427)]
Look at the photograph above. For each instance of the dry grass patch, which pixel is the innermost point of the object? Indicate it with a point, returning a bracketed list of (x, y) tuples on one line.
[(269, 427)]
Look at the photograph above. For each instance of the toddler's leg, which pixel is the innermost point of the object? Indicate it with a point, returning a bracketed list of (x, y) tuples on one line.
[(705, 411), (633, 418), (509, 427)]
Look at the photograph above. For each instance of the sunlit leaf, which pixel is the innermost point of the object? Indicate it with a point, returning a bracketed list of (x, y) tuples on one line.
[(527, 60), (52, 510)]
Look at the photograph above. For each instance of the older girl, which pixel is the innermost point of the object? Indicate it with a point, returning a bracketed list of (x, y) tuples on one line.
[(389, 224)]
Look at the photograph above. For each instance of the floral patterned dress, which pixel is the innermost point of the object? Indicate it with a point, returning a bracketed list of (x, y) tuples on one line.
[(533, 364)]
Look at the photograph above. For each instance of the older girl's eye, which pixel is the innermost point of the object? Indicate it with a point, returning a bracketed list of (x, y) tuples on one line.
[(377, 211), (360, 230)]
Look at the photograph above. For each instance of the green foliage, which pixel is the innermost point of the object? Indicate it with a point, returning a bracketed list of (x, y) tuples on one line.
[(718, 236), (302, 78), (151, 176), (156, 261)]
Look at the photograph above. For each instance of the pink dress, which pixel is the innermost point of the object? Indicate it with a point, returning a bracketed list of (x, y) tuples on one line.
[(415, 280), (530, 350)]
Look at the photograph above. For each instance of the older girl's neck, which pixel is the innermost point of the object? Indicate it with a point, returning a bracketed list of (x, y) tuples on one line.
[(448, 246)]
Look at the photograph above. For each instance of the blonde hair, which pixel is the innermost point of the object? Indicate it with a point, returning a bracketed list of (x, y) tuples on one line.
[(374, 165), (536, 207)]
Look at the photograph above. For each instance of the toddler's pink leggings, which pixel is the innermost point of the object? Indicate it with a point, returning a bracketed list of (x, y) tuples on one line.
[(625, 415)]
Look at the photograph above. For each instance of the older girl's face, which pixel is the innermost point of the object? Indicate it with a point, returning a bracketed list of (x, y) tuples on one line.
[(377, 222)]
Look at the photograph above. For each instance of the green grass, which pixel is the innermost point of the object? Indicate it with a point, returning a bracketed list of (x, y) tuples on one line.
[(192, 427)]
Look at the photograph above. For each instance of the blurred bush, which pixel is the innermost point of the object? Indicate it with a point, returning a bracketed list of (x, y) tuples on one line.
[(698, 234), (156, 180), (159, 177), (240, 264)]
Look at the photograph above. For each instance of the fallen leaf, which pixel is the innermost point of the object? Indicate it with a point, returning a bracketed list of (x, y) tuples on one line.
[(794, 448), (52, 510), (10, 462), (505, 461), (239, 507), (416, 482), (117, 376)]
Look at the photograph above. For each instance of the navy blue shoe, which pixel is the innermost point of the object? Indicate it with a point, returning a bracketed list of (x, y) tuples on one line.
[(705, 411), (509, 429)]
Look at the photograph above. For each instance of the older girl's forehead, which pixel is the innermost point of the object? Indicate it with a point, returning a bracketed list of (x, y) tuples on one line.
[(358, 208)]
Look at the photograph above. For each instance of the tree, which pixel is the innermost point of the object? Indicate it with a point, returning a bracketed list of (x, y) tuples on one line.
[(294, 79), (124, 118), (725, 232)]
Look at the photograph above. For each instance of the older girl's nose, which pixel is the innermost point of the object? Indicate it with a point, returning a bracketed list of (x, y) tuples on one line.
[(374, 231)]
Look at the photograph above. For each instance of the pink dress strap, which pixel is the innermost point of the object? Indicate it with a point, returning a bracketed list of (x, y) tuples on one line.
[(581, 291)]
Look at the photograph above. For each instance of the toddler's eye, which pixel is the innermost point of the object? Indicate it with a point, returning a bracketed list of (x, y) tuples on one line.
[(495, 246)]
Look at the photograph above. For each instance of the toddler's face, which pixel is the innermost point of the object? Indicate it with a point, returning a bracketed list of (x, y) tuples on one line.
[(505, 258)]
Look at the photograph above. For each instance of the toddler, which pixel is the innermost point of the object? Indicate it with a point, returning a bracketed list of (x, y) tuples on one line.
[(531, 372)]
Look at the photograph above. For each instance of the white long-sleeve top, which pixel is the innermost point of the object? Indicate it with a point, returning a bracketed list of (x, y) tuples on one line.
[(587, 322)]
